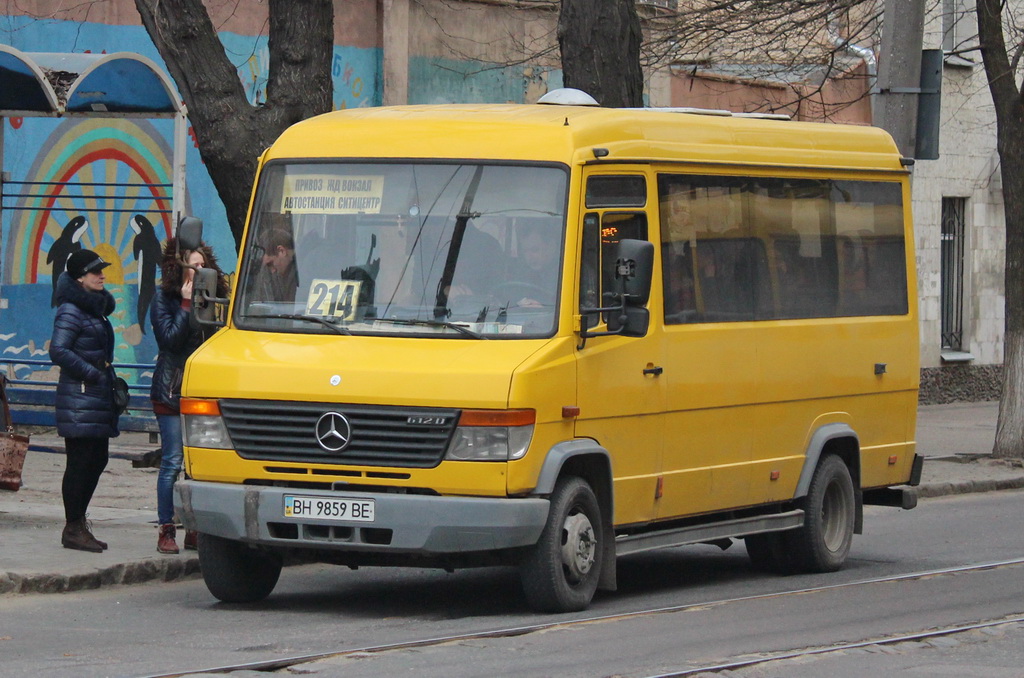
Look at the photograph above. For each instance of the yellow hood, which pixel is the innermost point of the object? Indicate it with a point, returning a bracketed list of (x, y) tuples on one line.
[(357, 369)]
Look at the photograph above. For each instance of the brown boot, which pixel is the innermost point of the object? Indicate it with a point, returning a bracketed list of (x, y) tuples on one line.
[(165, 541), (88, 528), (191, 537), (76, 536)]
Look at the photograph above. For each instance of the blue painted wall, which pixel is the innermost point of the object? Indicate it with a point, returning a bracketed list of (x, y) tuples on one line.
[(442, 81)]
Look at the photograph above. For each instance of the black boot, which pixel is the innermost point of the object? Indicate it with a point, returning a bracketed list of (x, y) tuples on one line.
[(77, 536)]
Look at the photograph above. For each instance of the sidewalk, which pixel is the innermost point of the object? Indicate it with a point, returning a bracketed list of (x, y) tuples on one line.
[(955, 439), (122, 512)]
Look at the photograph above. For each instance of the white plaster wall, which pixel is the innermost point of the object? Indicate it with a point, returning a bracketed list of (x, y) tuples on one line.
[(967, 168)]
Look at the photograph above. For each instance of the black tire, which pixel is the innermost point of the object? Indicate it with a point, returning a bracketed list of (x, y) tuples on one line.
[(823, 542), (561, 571), (234, 572)]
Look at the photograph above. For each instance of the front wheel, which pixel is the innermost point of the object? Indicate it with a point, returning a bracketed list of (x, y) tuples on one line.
[(823, 542), (235, 573), (561, 571)]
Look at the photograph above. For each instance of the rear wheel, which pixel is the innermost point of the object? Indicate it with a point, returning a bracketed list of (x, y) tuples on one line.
[(561, 571), (823, 542), (234, 572)]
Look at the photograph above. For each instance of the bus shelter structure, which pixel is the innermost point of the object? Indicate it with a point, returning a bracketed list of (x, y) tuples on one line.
[(69, 85)]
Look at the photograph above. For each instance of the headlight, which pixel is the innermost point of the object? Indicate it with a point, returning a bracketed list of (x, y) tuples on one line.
[(205, 432), (202, 425), (481, 436)]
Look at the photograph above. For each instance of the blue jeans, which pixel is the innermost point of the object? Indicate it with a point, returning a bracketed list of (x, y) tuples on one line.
[(170, 465)]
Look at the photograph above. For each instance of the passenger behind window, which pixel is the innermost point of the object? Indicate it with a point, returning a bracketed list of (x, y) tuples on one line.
[(680, 295)]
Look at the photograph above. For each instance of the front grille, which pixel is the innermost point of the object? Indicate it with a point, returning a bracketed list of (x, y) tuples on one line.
[(380, 436)]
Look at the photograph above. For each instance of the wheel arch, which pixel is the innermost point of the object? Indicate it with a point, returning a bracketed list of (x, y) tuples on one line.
[(590, 461), (841, 440)]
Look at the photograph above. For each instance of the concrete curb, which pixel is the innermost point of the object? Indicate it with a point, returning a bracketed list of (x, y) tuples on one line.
[(969, 487), (137, 572)]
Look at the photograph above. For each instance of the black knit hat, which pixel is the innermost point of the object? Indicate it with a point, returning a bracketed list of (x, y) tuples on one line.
[(85, 261)]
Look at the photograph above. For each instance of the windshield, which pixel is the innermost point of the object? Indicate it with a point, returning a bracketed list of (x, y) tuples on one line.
[(465, 251)]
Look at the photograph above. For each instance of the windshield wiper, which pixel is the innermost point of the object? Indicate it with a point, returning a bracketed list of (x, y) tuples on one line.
[(462, 329), (307, 318)]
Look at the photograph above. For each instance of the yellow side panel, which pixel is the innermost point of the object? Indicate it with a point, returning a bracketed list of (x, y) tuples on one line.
[(745, 399), (706, 463)]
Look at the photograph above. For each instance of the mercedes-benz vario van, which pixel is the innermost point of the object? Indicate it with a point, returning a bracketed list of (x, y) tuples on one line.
[(548, 336)]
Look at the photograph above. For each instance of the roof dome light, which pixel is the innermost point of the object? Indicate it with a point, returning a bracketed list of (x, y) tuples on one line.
[(567, 96)]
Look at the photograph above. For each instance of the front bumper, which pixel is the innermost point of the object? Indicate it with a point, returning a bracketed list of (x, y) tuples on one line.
[(404, 523)]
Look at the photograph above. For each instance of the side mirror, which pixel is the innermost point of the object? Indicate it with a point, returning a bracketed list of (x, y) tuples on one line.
[(634, 267), (205, 300), (190, 233)]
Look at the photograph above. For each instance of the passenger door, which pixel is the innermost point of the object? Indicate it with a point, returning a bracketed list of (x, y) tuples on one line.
[(715, 284)]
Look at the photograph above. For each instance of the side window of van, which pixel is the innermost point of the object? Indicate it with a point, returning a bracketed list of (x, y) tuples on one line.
[(601, 236), (749, 248), (602, 232), (616, 226), (616, 191)]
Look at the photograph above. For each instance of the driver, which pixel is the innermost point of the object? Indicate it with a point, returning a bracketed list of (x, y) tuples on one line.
[(278, 279), (535, 268)]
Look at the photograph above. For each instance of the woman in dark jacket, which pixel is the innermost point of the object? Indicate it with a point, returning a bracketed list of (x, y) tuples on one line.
[(83, 347), (177, 340)]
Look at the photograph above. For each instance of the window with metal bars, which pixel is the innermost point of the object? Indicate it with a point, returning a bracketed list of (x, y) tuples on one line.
[(952, 250)]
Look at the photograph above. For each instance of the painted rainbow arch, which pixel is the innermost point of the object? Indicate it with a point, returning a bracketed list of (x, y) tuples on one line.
[(109, 170)]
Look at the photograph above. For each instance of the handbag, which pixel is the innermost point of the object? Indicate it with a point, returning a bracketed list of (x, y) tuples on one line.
[(13, 446), (120, 387)]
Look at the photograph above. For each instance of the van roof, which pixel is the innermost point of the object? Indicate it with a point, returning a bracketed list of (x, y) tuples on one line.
[(569, 134)]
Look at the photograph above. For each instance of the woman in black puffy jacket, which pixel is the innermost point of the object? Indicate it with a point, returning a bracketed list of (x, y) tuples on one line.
[(177, 340), (82, 346)]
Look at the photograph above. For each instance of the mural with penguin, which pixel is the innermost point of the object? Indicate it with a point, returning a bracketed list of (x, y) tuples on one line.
[(62, 248), (148, 253)]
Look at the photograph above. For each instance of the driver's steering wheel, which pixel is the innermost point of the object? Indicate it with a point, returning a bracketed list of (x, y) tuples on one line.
[(515, 290)]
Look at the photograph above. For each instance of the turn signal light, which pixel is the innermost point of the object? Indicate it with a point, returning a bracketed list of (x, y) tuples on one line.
[(497, 417), (209, 408)]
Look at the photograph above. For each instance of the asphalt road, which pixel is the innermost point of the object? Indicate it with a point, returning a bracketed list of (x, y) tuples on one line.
[(722, 609)]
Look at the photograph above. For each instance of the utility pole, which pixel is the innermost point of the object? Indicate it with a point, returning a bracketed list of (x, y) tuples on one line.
[(899, 72)]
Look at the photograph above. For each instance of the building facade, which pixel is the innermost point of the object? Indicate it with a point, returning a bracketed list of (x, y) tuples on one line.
[(960, 223)]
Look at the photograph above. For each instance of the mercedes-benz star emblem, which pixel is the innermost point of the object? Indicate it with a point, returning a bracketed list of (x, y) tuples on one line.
[(333, 431)]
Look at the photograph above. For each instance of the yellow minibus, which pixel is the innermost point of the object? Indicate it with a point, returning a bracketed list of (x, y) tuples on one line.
[(551, 335)]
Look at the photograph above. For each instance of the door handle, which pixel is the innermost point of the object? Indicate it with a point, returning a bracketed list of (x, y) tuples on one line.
[(654, 371)]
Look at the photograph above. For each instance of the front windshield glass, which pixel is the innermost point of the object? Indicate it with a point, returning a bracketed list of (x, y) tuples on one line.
[(461, 251)]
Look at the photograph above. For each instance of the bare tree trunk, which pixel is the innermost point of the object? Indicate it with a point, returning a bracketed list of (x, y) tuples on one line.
[(600, 43), (1006, 96), (231, 133), (1009, 430)]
